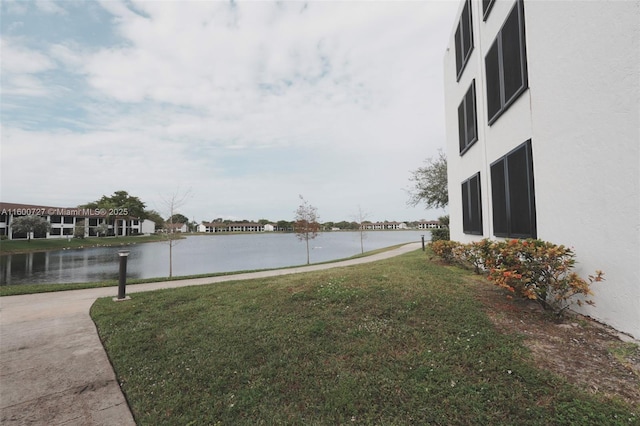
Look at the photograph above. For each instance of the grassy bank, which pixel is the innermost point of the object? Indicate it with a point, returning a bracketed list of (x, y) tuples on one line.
[(12, 290), (400, 341), (41, 244)]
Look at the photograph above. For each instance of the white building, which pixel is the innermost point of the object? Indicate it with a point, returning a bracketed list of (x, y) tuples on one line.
[(429, 224), (173, 228), (383, 226), (543, 132), (148, 227), (210, 227), (66, 221)]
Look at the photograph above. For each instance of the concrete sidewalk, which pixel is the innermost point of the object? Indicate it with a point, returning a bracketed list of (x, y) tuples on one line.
[(53, 368)]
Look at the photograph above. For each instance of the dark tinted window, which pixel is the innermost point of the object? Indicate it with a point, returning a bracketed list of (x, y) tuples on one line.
[(466, 214), (512, 195), (493, 80), (461, 126), (463, 39), (467, 121), (521, 192), (467, 41), (486, 8), (459, 51), (472, 206), (470, 108), (512, 55), (499, 199), (505, 64)]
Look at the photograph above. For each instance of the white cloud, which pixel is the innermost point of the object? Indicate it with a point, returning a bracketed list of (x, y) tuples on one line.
[(49, 6), (16, 7), (71, 55), (249, 105), (20, 59)]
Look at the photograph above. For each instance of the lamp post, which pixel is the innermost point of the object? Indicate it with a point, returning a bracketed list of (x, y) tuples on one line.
[(122, 278)]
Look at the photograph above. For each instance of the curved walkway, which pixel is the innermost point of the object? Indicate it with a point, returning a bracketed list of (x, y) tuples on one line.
[(53, 368)]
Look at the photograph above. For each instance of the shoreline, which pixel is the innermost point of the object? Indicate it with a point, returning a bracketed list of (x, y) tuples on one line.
[(54, 244)]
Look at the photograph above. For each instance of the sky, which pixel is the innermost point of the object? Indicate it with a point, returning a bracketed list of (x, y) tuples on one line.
[(241, 106)]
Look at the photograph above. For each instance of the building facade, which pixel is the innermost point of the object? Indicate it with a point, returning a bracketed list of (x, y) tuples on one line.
[(543, 133), (211, 227), (173, 228), (380, 226), (65, 222), (429, 224)]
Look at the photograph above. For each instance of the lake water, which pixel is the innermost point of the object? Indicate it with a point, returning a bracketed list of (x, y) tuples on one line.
[(199, 254)]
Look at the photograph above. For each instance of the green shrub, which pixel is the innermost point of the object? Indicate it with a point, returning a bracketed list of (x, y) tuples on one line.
[(440, 234), (532, 269)]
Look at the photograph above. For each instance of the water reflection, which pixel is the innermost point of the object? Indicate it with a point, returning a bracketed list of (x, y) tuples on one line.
[(193, 255)]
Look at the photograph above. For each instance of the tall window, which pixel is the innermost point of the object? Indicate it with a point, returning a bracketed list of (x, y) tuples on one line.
[(486, 8), (506, 64), (472, 206), (463, 39), (467, 126), (512, 193)]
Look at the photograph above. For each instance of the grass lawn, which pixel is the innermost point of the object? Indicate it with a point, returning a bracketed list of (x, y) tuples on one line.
[(400, 341)]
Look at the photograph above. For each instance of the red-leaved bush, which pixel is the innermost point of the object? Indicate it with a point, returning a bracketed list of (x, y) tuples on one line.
[(533, 269)]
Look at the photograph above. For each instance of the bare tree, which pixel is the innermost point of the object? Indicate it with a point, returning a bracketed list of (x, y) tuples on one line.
[(171, 204), (360, 217), (306, 224)]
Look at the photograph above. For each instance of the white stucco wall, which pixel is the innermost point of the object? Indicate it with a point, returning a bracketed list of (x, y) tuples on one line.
[(584, 70), (461, 168), (148, 227), (582, 113), (512, 128)]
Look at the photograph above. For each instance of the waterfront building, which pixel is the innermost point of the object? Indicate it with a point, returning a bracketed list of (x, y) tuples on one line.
[(543, 132), (68, 221), (379, 226), (212, 227)]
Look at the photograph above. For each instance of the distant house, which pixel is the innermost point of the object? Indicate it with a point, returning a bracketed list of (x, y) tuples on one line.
[(148, 227), (428, 224), (373, 226), (212, 227), (542, 109), (173, 228), (65, 220)]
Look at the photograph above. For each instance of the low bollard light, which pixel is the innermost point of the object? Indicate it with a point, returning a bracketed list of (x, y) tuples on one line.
[(422, 242), (122, 278)]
